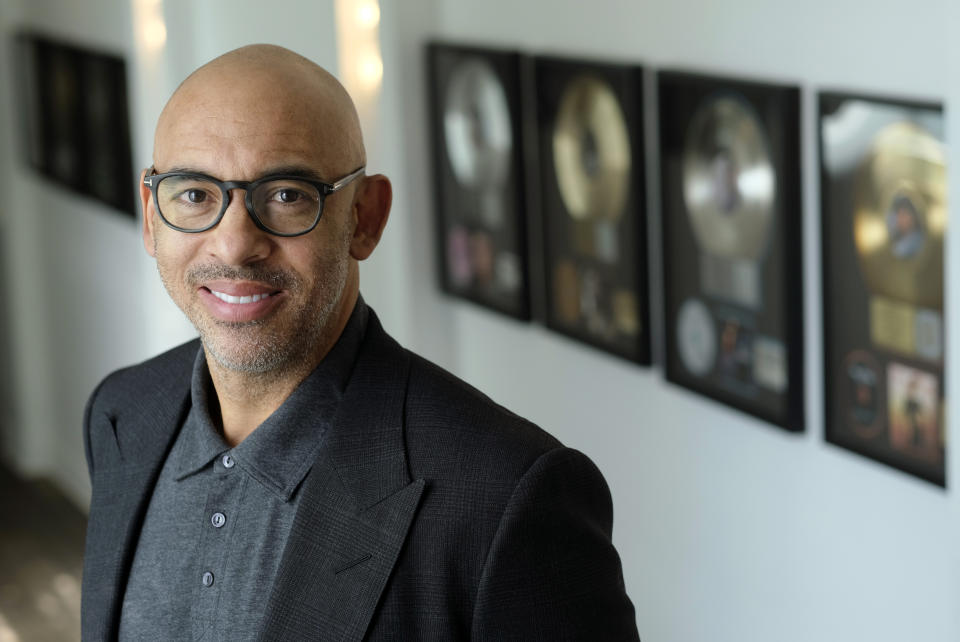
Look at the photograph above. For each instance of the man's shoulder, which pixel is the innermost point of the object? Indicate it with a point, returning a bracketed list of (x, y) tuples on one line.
[(448, 419)]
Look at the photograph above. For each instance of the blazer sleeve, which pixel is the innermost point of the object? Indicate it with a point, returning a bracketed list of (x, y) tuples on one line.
[(552, 572), (87, 436)]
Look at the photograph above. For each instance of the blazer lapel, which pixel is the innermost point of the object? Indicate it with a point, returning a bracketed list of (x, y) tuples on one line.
[(128, 462), (356, 507)]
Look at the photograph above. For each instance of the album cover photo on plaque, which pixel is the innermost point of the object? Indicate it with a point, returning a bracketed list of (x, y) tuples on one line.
[(592, 199), (479, 176), (884, 210), (733, 306)]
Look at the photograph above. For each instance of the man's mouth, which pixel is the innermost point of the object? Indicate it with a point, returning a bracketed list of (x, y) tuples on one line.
[(240, 301), (229, 298)]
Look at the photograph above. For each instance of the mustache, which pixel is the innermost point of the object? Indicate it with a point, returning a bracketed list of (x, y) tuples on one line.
[(275, 277)]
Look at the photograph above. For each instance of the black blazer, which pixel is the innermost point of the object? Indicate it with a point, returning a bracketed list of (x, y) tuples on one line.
[(430, 514)]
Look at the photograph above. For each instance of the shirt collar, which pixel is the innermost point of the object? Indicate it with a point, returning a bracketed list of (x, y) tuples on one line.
[(282, 449)]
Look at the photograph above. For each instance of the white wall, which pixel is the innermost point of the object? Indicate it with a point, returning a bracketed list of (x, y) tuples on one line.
[(729, 530)]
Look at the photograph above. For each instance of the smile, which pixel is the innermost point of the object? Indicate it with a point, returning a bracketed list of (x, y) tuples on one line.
[(229, 298), (240, 301)]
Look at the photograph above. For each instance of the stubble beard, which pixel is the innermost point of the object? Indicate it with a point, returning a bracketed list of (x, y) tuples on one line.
[(268, 347)]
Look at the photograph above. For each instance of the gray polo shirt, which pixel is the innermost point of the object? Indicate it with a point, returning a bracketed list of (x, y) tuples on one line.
[(219, 517)]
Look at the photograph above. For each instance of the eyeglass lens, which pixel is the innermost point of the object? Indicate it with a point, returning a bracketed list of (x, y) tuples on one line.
[(286, 206)]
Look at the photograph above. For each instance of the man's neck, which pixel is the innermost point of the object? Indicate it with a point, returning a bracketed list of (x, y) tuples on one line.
[(244, 400)]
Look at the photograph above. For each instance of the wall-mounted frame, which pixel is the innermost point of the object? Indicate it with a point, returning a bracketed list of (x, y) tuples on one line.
[(479, 175), (732, 230), (74, 111), (593, 203), (883, 186)]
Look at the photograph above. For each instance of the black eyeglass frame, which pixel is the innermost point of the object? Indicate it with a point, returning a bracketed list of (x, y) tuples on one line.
[(152, 180)]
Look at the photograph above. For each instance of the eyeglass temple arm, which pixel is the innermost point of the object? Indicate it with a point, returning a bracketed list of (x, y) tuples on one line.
[(346, 179)]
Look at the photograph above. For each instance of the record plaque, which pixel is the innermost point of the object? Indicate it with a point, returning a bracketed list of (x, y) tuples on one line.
[(884, 218), (479, 176), (731, 222), (590, 153)]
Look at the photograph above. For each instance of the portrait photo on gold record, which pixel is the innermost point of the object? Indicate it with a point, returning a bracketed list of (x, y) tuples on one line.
[(479, 175), (732, 250), (884, 216), (590, 165)]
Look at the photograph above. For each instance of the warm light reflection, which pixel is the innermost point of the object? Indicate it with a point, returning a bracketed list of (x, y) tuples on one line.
[(150, 24), (368, 14), (358, 38), (870, 234), (155, 34), (371, 71)]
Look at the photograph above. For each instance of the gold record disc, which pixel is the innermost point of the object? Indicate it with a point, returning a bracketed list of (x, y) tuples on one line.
[(900, 215), (591, 150), (477, 126), (729, 182)]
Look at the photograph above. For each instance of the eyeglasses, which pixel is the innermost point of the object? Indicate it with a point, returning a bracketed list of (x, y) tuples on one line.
[(280, 204)]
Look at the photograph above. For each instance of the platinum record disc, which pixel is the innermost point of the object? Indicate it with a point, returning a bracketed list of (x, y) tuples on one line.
[(477, 126), (729, 182), (591, 150)]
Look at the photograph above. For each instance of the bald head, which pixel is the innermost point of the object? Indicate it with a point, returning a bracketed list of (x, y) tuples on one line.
[(261, 91)]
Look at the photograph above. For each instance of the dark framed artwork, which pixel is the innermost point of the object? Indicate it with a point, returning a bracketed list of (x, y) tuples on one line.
[(732, 229), (883, 185), (61, 94), (106, 132), (26, 58), (479, 169), (75, 118), (593, 203)]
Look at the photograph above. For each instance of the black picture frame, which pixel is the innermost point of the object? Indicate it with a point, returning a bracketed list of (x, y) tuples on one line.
[(75, 112), (480, 198), (26, 52), (732, 242), (883, 183), (592, 196)]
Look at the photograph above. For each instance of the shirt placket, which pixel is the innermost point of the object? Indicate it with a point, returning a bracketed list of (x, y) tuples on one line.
[(218, 520)]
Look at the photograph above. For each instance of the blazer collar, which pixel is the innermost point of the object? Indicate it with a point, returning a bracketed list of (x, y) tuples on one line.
[(356, 508)]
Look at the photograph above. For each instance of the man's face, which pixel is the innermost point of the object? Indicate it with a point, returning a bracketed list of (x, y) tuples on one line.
[(260, 302)]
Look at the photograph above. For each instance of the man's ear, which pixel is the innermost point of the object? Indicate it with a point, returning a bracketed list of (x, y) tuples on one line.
[(371, 207), (146, 207)]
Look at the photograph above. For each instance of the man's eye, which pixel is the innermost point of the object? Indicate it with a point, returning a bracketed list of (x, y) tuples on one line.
[(288, 195), (195, 195)]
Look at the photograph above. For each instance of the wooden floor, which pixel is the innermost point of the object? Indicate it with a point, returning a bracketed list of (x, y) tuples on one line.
[(41, 554)]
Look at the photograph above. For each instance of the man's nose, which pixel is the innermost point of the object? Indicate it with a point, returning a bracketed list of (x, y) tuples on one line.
[(236, 240)]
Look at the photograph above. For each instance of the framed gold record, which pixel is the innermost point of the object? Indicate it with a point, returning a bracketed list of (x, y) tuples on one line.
[(731, 222), (479, 168), (884, 211), (592, 198)]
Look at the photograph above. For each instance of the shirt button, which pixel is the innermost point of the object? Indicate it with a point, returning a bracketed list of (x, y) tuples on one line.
[(218, 520), (208, 579), (228, 461)]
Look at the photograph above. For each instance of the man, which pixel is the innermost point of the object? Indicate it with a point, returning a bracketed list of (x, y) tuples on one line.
[(296, 474)]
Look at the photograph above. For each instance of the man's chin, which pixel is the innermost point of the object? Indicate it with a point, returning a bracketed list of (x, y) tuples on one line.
[(248, 358)]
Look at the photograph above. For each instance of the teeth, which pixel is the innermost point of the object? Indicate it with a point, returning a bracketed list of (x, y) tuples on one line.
[(229, 298)]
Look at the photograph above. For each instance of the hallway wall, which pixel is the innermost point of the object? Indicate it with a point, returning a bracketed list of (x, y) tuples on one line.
[(729, 530)]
